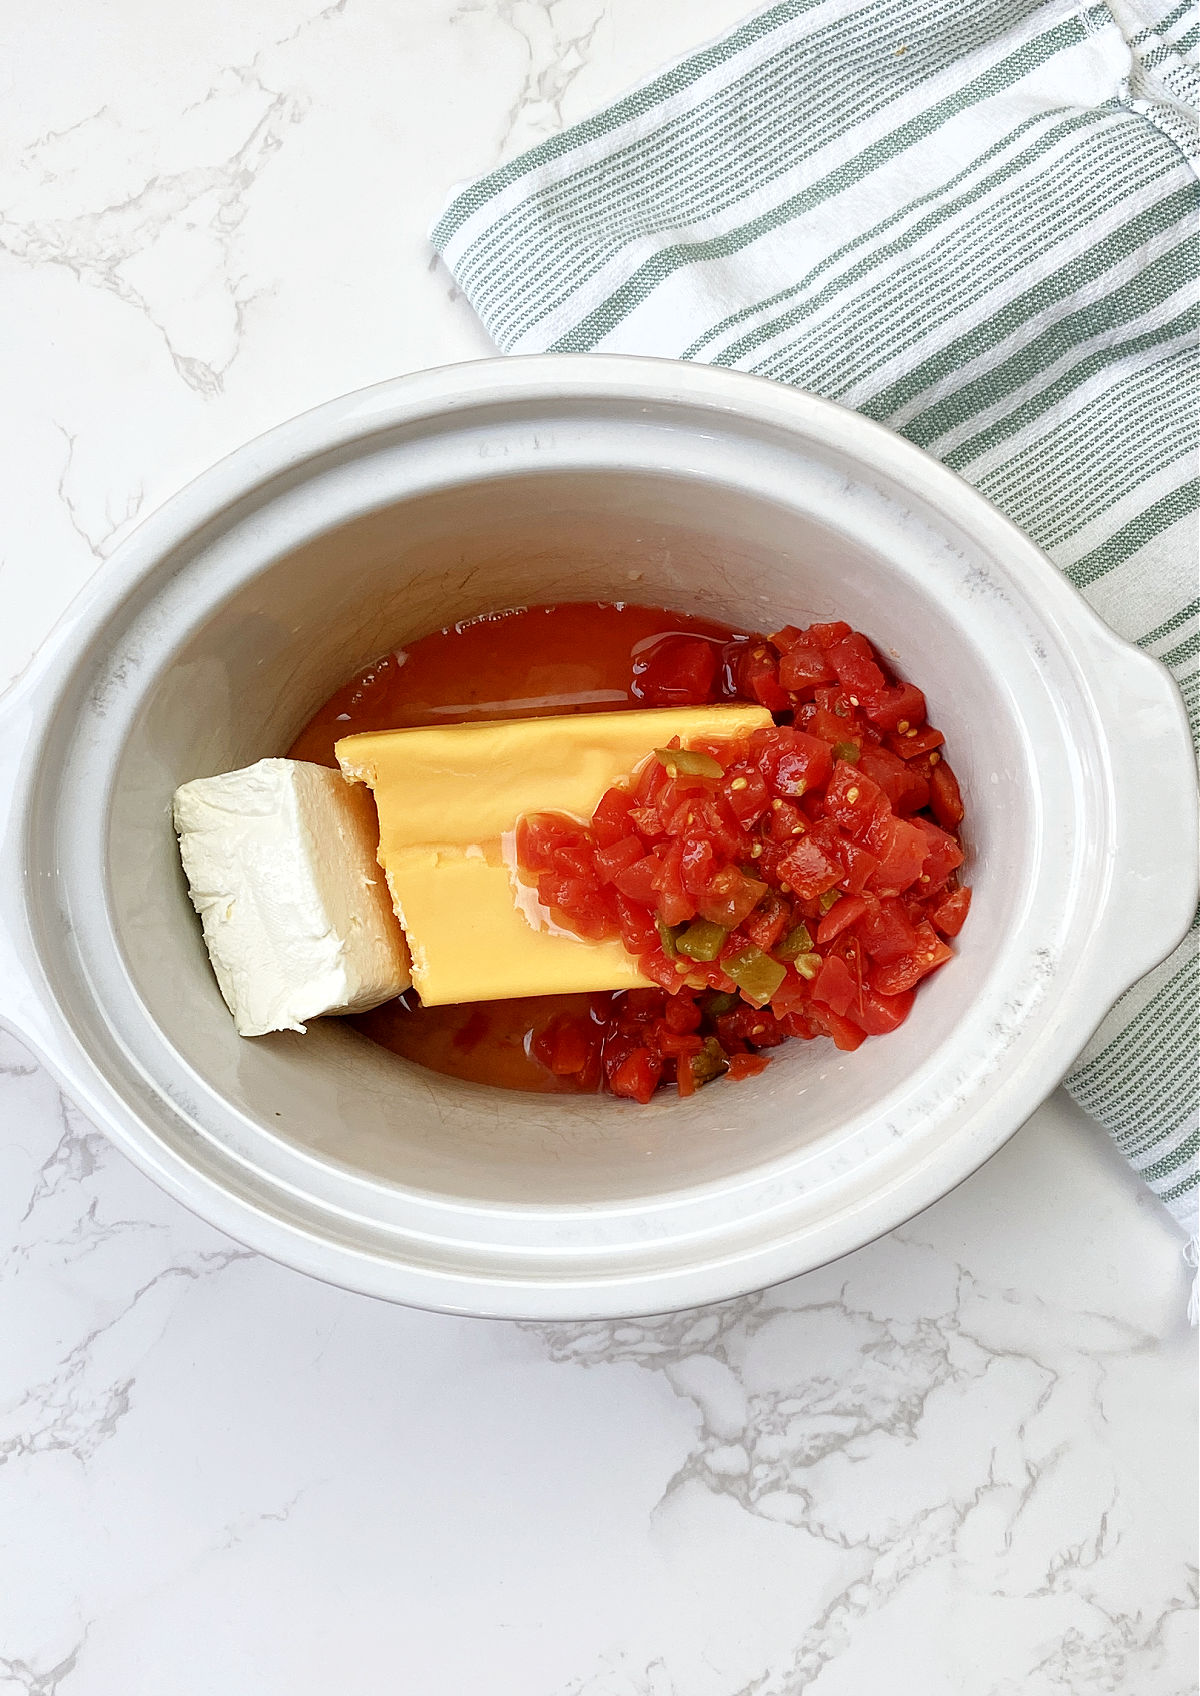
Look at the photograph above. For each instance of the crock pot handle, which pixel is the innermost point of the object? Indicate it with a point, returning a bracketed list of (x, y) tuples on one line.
[(1155, 855), (21, 1011)]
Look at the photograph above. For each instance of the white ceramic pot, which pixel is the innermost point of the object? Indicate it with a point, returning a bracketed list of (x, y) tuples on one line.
[(238, 608)]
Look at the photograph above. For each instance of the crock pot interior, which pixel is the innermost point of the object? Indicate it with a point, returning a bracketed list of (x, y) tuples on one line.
[(253, 667)]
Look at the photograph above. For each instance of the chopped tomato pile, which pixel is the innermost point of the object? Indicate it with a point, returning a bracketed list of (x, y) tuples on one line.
[(799, 882)]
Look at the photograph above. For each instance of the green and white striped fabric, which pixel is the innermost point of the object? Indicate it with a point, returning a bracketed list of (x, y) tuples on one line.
[(973, 221)]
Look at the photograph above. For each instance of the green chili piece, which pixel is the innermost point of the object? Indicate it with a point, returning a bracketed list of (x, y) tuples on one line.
[(755, 973), (690, 761), (718, 1002), (797, 941), (848, 751), (702, 940), (711, 1061), (830, 899), (666, 937)]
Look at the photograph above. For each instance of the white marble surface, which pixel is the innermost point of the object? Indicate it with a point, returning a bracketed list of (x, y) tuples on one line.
[(958, 1463)]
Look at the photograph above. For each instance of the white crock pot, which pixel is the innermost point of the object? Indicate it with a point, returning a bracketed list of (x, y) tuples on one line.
[(229, 616)]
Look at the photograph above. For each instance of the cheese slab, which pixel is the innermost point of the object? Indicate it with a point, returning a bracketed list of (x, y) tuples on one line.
[(449, 798), (282, 867)]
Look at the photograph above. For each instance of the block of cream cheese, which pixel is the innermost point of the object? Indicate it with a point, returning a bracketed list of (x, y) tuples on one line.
[(281, 859), (449, 798)]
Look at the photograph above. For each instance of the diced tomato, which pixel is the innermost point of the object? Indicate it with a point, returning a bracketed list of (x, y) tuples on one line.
[(670, 1045), (853, 658), (791, 761), (804, 763), (567, 1045), (577, 901), (803, 667), (636, 926), (649, 781), (673, 900), (835, 698), (728, 669), (840, 917), (683, 1013), (902, 974), (785, 821), (610, 861), (835, 984), (846, 1035), (898, 707), (852, 798), (675, 804), (552, 888), (654, 964), (878, 832), (750, 1024), (698, 864), (730, 897), (807, 870), (758, 678), (878, 1014), (834, 729), (826, 634), (823, 821), (727, 831), (792, 996), (538, 835), (638, 880), (902, 850), (912, 744), (906, 789), (677, 672), (637, 1076), (533, 845), (945, 797), (885, 930), (574, 859), (951, 911), (646, 822), (746, 1066), (828, 838), (726, 750), (610, 821), (746, 792), (860, 866), (942, 854), (767, 923)]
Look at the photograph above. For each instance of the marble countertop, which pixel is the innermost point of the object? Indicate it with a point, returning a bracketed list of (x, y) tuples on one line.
[(953, 1464)]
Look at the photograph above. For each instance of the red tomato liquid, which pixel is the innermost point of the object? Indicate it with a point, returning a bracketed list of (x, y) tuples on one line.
[(529, 662)]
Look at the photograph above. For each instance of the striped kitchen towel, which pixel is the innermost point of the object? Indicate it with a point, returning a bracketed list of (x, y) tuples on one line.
[(974, 220)]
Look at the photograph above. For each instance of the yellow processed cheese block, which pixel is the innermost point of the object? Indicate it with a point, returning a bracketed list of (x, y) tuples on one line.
[(449, 797)]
